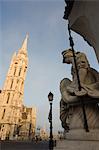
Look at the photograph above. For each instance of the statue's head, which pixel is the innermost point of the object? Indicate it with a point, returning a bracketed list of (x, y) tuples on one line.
[(67, 56)]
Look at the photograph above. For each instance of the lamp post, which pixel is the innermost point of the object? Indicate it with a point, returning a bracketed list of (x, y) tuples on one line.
[(50, 98)]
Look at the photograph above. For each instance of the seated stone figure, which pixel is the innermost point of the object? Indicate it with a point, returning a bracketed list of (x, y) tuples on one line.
[(89, 82)]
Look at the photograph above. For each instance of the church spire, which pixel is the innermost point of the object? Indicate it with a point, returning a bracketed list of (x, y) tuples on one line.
[(23, 49)]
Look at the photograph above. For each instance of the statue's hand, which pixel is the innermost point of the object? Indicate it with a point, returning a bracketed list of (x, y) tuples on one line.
[(83, 92)]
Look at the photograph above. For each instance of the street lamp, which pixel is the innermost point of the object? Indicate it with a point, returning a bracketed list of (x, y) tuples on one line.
[(50, 98)]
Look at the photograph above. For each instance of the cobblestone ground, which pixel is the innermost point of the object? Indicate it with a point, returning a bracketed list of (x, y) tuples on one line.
[(43, 145), (12, 145), (77, 145)]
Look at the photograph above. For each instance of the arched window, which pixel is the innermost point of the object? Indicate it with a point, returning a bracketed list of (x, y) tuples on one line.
[(15, 71), (0, 126), (17, 81), (25, 70), (19, 71), (8, 96), (22, 86), (3, 114), (11, 84)]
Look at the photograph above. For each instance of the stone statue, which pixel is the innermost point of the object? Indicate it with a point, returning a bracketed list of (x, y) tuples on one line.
[(70, 94)]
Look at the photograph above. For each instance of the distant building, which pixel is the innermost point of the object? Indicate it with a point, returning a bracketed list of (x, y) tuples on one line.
[(43, 134), (27, 123), (14, 117)]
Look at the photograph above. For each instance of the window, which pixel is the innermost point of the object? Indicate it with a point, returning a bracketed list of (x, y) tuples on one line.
[(17, 81), (0, 126), (19, 71), (8, 97), (3, 114), (14, 71), (22, 86), (25, 70), (11, 84)]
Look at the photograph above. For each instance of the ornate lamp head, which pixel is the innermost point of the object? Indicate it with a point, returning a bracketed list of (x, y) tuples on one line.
[(50, 97)]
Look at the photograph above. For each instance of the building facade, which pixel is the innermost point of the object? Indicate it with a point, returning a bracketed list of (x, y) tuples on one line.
[(43, 134), (11, 97), (27, 123)]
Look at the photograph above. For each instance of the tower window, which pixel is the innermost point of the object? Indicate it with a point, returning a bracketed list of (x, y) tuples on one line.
[(22, 86), (0, 126), (11, 84), (19, 71), (25, 70), (3, 114), (8, 97), (17, 81), (14, 71)]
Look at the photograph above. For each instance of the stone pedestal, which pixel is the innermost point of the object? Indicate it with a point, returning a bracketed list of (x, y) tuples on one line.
[(77, 138), (76, 120)]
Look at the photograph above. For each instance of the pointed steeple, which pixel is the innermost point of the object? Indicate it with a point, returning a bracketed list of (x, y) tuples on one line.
[(23, 49)]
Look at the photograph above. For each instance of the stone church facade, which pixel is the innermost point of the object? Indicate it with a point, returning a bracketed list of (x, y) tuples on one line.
[(12, 109)]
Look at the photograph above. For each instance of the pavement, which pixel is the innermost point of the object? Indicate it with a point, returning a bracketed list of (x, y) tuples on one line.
[(44, 145), (19, 145), (77, 145)]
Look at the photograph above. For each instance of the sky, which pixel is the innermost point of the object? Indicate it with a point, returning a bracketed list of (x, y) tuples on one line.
[(48, 37)]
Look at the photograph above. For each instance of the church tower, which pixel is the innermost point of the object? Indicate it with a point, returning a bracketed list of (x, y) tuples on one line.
[(12, 93)]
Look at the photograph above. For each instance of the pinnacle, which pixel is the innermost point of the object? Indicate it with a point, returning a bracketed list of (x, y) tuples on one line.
[(23, 49)]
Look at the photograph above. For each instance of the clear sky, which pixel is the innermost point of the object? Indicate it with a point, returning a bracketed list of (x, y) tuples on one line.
[(48, 37)]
